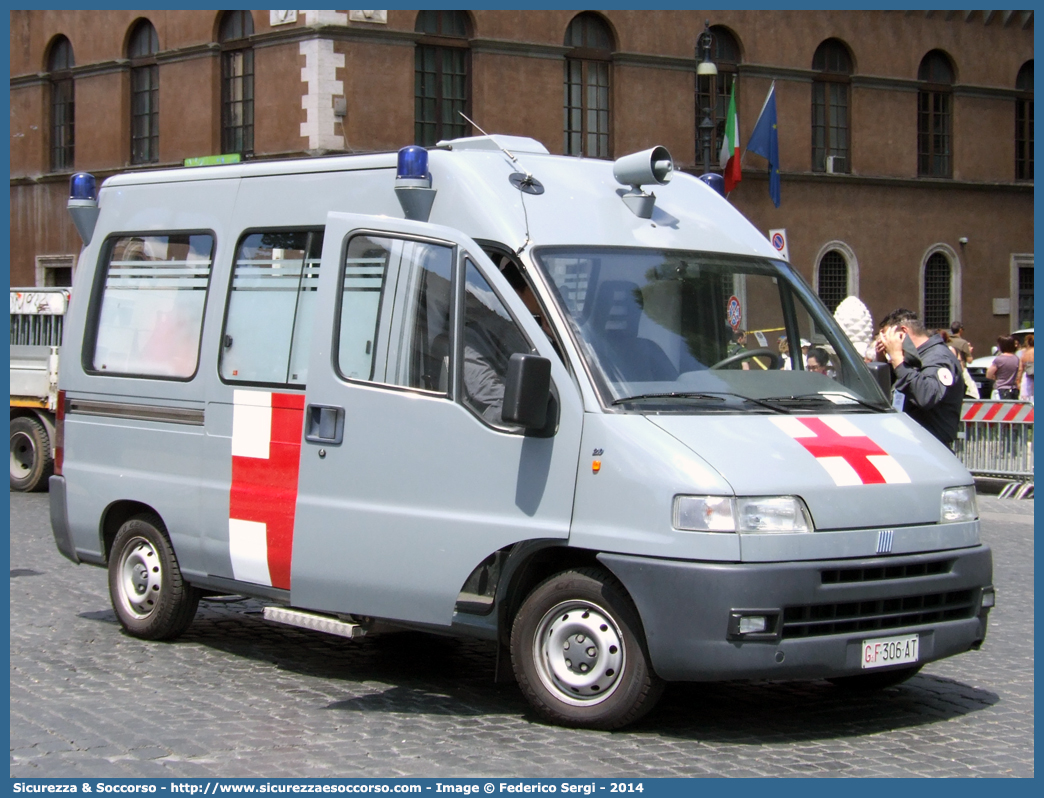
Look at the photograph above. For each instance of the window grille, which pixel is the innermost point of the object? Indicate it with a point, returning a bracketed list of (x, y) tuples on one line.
[(441, 77), (237, 83), (830, 107), (937, 285), (833, 279), (934, 116), (1024, 123), (144, 44), (59, 64), (586, 106), (1025, 296)]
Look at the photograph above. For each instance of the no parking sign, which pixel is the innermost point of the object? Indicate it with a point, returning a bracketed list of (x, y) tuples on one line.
[(733, 312), (779, 243)]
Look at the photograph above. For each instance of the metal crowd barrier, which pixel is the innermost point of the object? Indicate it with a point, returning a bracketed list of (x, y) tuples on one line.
[(995, 439)]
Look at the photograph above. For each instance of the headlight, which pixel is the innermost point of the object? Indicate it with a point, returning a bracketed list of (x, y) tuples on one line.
[(704, 514), (744, 514), (958, 504), (772, 514)]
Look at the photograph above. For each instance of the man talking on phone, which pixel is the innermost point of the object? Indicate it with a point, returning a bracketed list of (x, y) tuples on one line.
[(925, 372)]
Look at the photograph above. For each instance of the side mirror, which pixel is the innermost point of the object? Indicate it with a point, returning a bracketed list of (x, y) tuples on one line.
[(527, 390), (882, 376)]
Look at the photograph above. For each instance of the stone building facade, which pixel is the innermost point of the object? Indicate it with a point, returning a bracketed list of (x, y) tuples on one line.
[(905, 137)]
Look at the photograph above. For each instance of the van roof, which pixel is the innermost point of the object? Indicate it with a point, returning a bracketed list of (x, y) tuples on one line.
[(581, 203)]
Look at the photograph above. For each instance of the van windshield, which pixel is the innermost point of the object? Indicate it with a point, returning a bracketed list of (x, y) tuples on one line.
[(694, 332)]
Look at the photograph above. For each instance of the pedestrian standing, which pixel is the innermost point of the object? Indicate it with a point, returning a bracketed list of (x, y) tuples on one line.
[(1024, 379), (958, 341), (928, 378), (971, 390), (1005, 369)]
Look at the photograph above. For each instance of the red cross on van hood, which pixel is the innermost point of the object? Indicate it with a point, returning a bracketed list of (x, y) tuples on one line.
[(853, 470)]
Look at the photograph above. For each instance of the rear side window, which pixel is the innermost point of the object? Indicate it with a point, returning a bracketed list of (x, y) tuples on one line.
[(150, 312), (423, 359), (366, 264), (396, 331), (268, 326)]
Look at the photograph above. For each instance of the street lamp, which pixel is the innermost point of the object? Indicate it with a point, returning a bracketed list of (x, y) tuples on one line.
[(704, 42), (705, 69)]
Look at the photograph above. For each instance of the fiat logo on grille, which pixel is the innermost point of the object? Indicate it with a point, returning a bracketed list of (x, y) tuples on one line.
[(884, 541)]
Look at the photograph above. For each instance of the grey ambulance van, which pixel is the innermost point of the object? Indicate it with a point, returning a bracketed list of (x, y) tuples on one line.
[(484, 390)]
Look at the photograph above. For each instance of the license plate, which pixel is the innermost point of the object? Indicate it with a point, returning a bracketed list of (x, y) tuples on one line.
[(883, 651)]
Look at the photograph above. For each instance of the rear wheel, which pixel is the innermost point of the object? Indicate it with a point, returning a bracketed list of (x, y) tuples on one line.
[(578, 652), (31, 461), (150, 597), (877, 680)]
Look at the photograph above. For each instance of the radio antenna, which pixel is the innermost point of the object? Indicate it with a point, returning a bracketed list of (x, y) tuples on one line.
[(503, 149), (527, 180)]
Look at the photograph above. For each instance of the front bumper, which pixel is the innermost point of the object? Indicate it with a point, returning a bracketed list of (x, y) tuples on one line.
[(824, 610)]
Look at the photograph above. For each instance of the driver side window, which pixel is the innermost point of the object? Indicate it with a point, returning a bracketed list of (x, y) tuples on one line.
[(490, 338)]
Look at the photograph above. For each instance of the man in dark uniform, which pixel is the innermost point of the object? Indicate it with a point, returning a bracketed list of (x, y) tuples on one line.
[(929, 378)]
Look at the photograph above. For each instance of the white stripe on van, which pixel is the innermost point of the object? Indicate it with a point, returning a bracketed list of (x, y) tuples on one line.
[(248, 550), (251, 424)]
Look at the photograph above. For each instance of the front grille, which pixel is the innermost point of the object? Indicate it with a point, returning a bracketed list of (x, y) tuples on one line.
[(816, 620), (877, 573)]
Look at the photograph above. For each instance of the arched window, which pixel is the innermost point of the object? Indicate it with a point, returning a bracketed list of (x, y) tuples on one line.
[(441, 79), (587, 92), (935, 116), (59, 66), (830, 109), (938, 295), (832, 279), (1024, 123), (237, 82), (712, 93), (141, 50)]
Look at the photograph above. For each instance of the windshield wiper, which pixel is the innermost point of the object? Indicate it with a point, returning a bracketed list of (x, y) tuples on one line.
[(820, 399), (671, 395), (718, 396)]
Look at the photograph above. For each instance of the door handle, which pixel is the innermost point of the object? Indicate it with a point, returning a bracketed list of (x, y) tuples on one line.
[(325, 424)]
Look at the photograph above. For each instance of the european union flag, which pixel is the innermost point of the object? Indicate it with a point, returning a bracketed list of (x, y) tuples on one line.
[(765, 141)]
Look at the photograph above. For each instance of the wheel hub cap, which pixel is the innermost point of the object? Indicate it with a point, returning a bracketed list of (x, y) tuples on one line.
[(23, 454), (579, 653), (140, 578)]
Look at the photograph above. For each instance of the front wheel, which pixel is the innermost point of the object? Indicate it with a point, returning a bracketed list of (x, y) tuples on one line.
[(150, 597), (578, 652)]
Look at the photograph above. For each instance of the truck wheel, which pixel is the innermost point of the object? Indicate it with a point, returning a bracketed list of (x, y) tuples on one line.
[(875, 681), (31, 461), (150, 597), (578, 652)]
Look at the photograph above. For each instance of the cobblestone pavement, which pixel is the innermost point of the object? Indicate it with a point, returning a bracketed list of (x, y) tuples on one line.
[(239, 697)]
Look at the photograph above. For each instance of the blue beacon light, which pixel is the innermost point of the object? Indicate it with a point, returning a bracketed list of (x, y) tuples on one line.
[(413, 165), (413, 183), (715, 181), (83, 186), (83, 204)]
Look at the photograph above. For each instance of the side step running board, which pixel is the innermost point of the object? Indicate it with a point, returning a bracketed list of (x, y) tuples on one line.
[(313, 621)]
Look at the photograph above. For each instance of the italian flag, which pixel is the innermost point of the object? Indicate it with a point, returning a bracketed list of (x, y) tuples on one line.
[(730, 154)]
